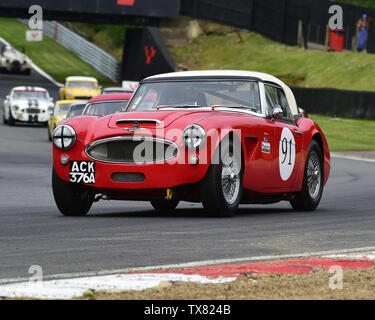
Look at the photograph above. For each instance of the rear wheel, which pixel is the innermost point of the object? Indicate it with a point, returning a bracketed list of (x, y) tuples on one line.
[(71, 199), (313, 182), (164, 206), (221, 188)]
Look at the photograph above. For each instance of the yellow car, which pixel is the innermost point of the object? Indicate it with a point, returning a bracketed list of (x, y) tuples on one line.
[(59, 113), (81, 88)]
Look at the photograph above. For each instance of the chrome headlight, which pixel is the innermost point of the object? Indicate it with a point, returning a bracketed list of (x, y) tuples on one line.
[(16, 108), (194, 136), (64, 137), (70, 94)]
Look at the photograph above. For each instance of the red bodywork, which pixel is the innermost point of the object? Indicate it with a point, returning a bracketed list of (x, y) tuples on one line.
[(111, 97), (261, 170)]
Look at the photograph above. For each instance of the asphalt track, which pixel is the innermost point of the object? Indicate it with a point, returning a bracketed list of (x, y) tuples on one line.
[(130, 234)]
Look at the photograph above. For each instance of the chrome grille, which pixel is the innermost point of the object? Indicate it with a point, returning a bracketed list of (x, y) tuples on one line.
[(134, 149), (83, 97), (33, 110)]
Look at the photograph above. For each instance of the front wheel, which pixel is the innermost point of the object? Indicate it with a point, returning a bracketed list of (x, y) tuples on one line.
[(11, 121), (71, 199), (49, 134), (221, 188), (164, 206), (313, 181), (5, 121)]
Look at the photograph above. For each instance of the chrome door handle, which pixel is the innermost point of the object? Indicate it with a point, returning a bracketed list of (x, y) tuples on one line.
[(298, 132)]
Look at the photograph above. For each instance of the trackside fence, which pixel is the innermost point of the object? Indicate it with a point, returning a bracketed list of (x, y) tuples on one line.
[(88, 52)]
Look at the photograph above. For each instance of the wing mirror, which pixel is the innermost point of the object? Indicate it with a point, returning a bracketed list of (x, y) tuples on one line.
[(277, 112)]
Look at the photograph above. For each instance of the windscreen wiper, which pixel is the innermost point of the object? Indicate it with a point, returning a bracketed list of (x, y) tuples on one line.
[(239, 107), (182, 106)]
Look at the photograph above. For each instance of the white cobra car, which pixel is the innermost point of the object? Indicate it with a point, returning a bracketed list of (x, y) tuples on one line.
[(14, 61), (27, 104)]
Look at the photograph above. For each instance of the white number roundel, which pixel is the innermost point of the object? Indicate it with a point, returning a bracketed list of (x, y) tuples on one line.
[(287, 154)]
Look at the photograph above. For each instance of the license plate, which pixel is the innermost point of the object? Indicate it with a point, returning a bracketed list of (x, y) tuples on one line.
[(33, 118), (82, 172)]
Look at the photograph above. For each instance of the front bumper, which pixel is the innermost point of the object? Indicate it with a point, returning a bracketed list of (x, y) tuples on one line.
[(157, 175), (31, 117), (16, 67)]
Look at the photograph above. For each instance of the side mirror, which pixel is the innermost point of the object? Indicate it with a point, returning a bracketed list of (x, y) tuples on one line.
[(276, 112)]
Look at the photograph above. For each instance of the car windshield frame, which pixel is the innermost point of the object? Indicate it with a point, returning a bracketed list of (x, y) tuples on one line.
[(15, 95), (244, 108), (126, 102), (81, 82), (58, 108)]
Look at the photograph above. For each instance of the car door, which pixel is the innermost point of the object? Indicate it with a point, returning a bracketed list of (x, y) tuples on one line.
[(286, 141)]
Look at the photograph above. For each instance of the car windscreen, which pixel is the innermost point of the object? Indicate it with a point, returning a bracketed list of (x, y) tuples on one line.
[(76, 111), (81, 84), (234, 94), (40, 95), (62, 108), (104, 108)]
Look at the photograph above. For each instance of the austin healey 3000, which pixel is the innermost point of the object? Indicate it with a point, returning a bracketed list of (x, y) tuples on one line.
[(222, 138)]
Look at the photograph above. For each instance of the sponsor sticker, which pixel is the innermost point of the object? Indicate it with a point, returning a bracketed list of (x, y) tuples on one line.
[(82, 172), (266, 147)]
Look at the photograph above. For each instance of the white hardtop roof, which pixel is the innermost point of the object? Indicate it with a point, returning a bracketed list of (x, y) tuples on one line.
[(234, 73), (220, 73), (27, 88), (77, 78)]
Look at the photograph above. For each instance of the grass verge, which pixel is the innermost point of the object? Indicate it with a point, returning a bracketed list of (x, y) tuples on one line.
[(357, 284), (296, 67), (347, 134), (49, 55)]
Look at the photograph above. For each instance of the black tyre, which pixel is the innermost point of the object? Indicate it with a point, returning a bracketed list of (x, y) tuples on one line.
[(313, 181), (11, 120), (49, 135), (221, 188), (5, 121), (71, 199), (164, 206)]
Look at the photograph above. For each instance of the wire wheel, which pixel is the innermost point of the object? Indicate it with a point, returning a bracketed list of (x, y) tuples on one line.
[(314, 175), (230, 178)]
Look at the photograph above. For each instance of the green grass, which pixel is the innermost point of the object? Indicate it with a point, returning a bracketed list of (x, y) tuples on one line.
[(109, 37), (296, 67), (361, 3), (347, 134), (48, 54)]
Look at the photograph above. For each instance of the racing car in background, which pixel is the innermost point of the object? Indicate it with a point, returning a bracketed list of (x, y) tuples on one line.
[(59, 113), (75, 109), (14, 61), (106, 104), (27, 104), (80, 88), (222, 138)]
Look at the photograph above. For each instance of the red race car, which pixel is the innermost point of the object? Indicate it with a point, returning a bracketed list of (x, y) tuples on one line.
[(222, 138)]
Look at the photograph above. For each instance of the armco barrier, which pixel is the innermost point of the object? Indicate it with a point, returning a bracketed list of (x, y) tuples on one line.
[(88, 52), (334, 102)]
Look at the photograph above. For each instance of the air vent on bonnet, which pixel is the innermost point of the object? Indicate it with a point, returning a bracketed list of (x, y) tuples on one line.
[(141, 123)]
